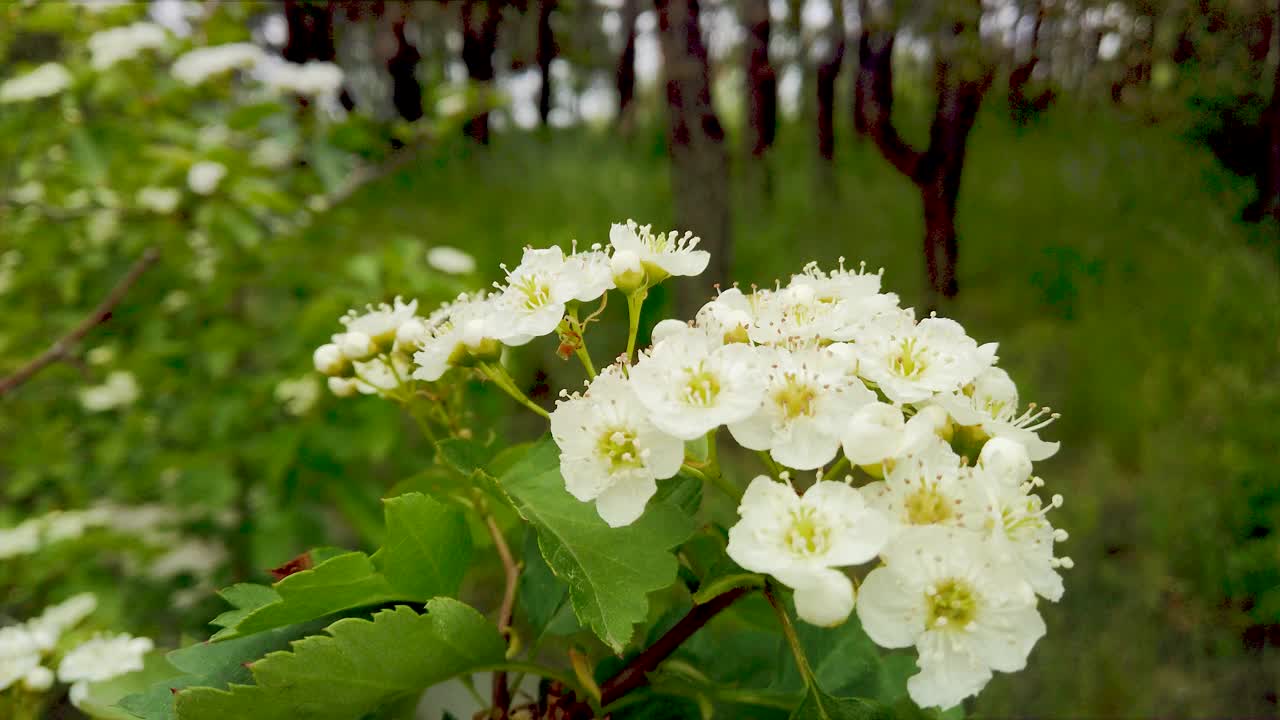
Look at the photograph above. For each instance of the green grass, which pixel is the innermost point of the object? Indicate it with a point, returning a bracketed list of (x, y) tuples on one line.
[(1106, 259)]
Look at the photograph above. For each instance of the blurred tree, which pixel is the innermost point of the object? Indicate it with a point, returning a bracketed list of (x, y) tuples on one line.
[(406, 93), (1268, 202), (762, 81), (1021, 107), (626, 72), (310, 24), (699, 166), (546, 52), (828, 70), (480, 20), (961, 79)]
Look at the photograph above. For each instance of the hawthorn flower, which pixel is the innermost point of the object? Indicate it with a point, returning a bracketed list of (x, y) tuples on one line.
[(205, 176), (532, 303), (330, 360), (39, 679), (802, 539), (101, 658), (942, 591), (119, 390), (925, 488), (661, 255), (990, 403), (610, 452), (818, 305), (197, 66), (108, 47), (878, 432), (22, 539), (691, 383), (808, 391), (732, 314), (455, 333), (451, 260), (378, 323), (160, 200), (911, 361), (59, 618), (314, 78), (19, 654), (44, 81)]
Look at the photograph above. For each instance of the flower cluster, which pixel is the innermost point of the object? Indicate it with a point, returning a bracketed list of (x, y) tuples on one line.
[(919, 446), (27, 651)]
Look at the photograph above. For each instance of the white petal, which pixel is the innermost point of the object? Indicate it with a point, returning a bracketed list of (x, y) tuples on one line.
[(806, 447), (756, 432), (623, 502), (1004, 638), (947, 674), (584, 479), (766, 496), (687, 263), (892, 612), (873, 434), (666, 453), (1006, 460), (824, 599)]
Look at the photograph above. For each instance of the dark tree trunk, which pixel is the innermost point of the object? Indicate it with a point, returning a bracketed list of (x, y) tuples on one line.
[(937, 171), (1268, 202), (699, 166), (1021, 107), (406, 93), (871, 41), (310, 31), (546, 52), (479, 40), (762, 81), (1139, 73), (626, 73), (828, 70)]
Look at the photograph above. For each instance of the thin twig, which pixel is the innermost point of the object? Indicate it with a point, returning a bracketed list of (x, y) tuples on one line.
[(100, 314), (501, 693), (635, 674)]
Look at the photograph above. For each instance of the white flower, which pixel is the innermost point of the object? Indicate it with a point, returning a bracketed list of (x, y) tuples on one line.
[(19, 654), (102, 658), (119, 390), (205, 176), (162, 200), (329, 360), (808, 392), (108, 47), (59, 618), (22, 539), (455, 332), (355, 345), (198, 558), (298, 395), (877, 432), (382, 375), (911, 362), (200, 64), (271, 153), (48, 79), (342, 387), (451, 260), (610, 452), (692, 384), (38, 679), (533, 301), (990, 403), (379, 324), (801, 539), (660, 255), (925, 488), (314, 78), (817, 305), (732, 314), (943, 592), (28, 193)]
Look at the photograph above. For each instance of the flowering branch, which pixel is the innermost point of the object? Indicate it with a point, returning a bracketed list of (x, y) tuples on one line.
[(635, 674), (100, 314)]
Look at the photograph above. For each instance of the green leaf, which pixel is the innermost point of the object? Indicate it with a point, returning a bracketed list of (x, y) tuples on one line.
[(211, 664), (428, 546), (426, 554), (818, 705), (465, 456), (358, 667), (609, 571), (844, 660), (544, 598)]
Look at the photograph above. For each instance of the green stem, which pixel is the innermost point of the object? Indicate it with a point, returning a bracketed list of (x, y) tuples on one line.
[(768, 462), (635, 301), (503, 379), (715, 478), (840, 466), (789, 631)]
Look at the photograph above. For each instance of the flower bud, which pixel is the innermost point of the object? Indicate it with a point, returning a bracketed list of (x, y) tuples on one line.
[(356, 345), (329, 360), (666, 328), (1006, 460), (410, 334), (38, 679), (874, 433), (628, 273), (342, 387)]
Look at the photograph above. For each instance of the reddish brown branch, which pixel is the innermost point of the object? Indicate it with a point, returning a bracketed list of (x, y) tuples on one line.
[(635, 674), (511, 572), (100, 314)]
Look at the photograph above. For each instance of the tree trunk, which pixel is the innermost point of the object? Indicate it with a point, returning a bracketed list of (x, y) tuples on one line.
[(699, 166), (626, 73), (406, 93), (1022, 108), (762, 81), (546, 52), (310, 31), (872, 43), (1268, 203), (479, 40), (828, 70)]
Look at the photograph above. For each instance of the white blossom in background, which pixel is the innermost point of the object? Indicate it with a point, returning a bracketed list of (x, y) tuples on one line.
[(692, 384), (808, 392), (101, 658), (195, 557), (39, 679), (660, 255), (298, 395), (22, 539), (44, 81), (58, 619), (610, 452), (108, 47), (911, 361), (315, 78), (205, 176), (802, 539), (28, 193), (19, 654), (451, 260), (942, 591), (119, 390), (197, 66), (162, 200)]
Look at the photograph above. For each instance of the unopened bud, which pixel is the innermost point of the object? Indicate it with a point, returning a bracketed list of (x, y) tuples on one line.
[(356, 345), (342, 387), (329, 360), (38, 679)]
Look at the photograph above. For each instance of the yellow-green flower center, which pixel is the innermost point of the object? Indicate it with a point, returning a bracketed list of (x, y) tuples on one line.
[(702, 387), (619, 446), (927, 506), (795, 398), (807, 536), (908, 359), (537, 293), (952, 603)]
